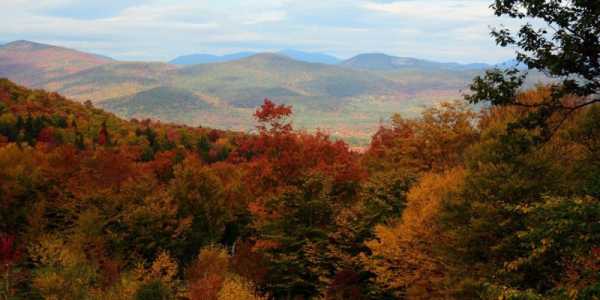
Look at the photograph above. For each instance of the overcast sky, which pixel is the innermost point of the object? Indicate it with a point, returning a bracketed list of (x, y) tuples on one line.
[(445, 30)]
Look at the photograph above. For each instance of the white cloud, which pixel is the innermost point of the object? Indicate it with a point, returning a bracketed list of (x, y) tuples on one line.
[(32, 4), (264, 17), (162, 29), (440, 10)]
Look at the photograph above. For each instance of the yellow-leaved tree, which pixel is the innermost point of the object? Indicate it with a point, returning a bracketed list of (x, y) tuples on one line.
[(237, 288), (404, 256)]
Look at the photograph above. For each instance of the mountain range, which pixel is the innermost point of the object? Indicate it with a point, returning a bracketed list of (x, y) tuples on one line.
[(311, 57), (383, 62), (367, 61), (347, 98)]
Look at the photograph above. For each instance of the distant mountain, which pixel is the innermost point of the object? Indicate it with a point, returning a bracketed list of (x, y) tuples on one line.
[(472, 66), (383, 62), (246, 82), (198, 59), (31, 63), (347, 99), (311, 57), (512, 63), (242, 83)]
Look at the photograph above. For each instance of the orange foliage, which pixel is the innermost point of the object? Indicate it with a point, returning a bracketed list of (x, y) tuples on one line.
[(404, 254), (274, 115), (206, 288), (434, 142)]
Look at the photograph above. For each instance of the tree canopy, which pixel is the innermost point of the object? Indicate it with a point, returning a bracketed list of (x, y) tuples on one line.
[(559, 38)]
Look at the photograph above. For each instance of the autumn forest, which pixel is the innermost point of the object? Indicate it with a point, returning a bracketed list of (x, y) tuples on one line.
[(494, 196)]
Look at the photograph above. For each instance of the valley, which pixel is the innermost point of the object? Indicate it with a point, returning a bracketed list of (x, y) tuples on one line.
[(347, 99)]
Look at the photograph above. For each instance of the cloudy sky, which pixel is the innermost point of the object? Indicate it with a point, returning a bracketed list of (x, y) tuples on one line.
[(445, 30)]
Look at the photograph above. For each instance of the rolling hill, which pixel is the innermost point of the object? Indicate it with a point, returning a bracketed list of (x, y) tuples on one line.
[(112, 80), (245, 82), (323, 96), (31, 63), (311, 57), (151, 103), (347, 99)]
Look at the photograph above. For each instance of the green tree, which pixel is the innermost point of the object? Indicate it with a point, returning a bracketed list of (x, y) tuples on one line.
[(292, 236), (564, 46), (200, 195), (506, 176)]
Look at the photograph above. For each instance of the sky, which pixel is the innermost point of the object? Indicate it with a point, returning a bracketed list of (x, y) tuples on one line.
[(160, 30)]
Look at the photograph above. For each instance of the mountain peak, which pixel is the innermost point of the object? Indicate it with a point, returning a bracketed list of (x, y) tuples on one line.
[(268, 55), (31, 63), (203, 58), (311, 57), (377, 61), (270, 58), (25, 45), (21, 47), (384, 62)]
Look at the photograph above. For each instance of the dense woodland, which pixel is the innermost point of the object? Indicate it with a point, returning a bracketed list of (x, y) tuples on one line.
[(501, 202), (449, 205)]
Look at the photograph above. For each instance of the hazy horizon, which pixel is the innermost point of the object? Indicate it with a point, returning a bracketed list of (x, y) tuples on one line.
[(254, 52), (158, 30)]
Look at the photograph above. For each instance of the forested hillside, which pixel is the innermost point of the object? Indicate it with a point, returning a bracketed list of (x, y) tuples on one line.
[(454, 204)]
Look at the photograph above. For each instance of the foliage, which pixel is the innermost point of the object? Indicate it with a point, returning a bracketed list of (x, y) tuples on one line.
[(433, 142), (565, 45), (236, 288), (405, 256)]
